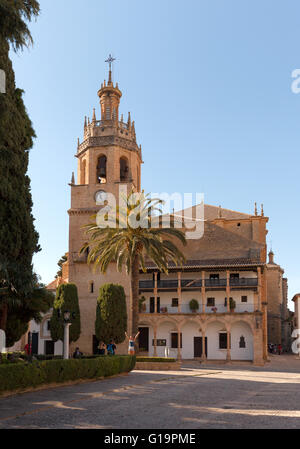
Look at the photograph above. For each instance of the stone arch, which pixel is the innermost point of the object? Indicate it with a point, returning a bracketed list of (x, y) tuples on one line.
[(241, 340), (101, 170)]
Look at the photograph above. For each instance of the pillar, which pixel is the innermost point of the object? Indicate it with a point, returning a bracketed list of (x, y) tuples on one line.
[(66, 340), (155, 292), (179, 291), (154, 338), (203, 346), (259, 288), (203, 291), (228, 355), (178, 343), (228, 290)]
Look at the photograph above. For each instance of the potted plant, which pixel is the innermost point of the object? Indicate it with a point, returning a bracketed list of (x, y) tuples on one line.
[(232, 304), (194, 305), (142, 305), (214, 309)]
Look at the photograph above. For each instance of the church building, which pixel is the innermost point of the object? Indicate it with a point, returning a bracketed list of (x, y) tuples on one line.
[(225, 303)]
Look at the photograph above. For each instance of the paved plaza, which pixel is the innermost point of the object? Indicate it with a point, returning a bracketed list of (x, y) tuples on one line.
[(218, 396)]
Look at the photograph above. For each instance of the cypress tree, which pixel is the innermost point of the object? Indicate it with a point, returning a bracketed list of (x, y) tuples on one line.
[(66, 300), (18, 237), (111, 314)]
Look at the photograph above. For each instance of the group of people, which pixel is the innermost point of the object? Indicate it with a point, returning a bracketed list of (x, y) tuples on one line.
[(110, 348), (275, 349)]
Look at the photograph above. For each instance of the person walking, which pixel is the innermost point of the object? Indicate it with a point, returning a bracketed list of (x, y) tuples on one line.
[(279, 348), (131, 350)]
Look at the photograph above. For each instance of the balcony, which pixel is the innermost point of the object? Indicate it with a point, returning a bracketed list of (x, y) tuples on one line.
[(185, 309), (190, 283)]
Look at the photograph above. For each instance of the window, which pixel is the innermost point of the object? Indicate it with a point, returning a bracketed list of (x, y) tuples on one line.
[(92, 287), (225, 301), (213, 276), (174, 340), (210, 302), (48, 325), (242, 342), (234, 275), (174, 302), (101, 170), (108, 117), (244, 298), (123, 169), (222, 340)]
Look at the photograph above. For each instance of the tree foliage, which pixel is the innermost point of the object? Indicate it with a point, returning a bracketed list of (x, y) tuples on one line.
[(66, 299), (111, 314), (60, 263), (18, 237), (127, 236)]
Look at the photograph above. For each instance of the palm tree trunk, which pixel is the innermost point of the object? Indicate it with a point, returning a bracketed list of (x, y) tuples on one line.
[(3, 316), (135, 296)]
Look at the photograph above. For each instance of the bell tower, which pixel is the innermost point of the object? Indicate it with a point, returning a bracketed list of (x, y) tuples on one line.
[(108, 157)]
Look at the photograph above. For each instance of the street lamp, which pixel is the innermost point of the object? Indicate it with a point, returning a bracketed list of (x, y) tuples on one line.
[(67, 324)]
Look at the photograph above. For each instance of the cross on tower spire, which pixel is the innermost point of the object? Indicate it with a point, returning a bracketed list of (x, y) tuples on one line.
[(110, 60)]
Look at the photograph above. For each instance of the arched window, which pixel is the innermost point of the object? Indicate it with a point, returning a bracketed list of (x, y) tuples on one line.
[(124, 169), (101, 170)]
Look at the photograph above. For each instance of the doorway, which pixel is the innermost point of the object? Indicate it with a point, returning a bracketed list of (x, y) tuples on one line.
[(198, 346), (35, 343), (49, 347), (144, 339)]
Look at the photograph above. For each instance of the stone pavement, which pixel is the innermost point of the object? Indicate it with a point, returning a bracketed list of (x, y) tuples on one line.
[(219, 396)]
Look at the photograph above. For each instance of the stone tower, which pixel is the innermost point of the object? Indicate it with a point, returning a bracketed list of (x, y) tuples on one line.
[(108, 158)]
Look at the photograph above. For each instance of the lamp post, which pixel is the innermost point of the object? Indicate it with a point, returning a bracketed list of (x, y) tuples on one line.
[(67, 324)]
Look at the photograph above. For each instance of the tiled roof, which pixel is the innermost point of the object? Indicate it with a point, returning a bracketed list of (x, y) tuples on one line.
[(237, 262)]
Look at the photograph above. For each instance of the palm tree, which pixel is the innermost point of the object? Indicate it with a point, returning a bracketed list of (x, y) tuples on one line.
[(130, 234)]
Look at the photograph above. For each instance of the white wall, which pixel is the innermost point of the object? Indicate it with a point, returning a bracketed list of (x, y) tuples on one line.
[(237, 330), (212, 334)]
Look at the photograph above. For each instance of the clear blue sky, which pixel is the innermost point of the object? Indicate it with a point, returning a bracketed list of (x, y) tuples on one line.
[(208, 84)]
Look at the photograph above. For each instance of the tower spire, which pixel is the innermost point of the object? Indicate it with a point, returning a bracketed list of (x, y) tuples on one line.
[(110, 60)]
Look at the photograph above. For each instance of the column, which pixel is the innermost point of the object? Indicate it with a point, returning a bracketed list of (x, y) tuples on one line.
[(66, 340), (179, 291), (259, 288), (264, 303), (155, 292), (203, 345), (228, 290), (228, 355), (203, 291), (178, 343), (154, 338)]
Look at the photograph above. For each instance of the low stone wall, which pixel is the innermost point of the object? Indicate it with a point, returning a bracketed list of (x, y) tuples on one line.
[(158, 366)]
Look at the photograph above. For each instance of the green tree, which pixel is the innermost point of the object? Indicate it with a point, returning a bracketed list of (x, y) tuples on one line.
[(21, 312), (60, 263), (111, 314), (66, 299), (18, 237), (127, 236)]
